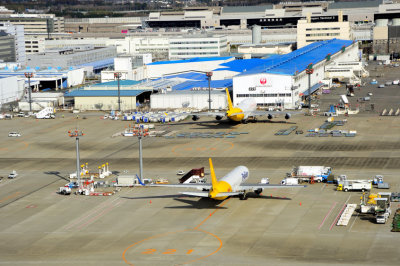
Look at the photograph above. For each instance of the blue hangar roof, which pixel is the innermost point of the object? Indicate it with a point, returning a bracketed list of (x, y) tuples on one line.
[(103, 93), (114, 83), (298, 60), (196, 59), (225, 83), (100, 64)]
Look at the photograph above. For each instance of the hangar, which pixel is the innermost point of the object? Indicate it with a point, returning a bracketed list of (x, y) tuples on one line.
[(282, 80)]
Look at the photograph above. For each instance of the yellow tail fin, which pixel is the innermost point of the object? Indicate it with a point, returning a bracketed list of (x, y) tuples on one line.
[(214, 180), (230, 105)]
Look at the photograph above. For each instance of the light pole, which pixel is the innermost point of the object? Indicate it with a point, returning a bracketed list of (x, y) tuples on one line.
[(29, 75), (309, 71), (209, 75), (117, 75), (141, 133), (77, 134)]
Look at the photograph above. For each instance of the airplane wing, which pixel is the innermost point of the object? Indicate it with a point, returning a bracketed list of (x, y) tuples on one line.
[(265, 186), (206, 186), (262, 113), (209, 114), (206, 195)]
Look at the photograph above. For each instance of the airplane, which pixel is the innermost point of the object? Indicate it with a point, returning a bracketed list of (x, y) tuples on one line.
[(241, 113), (232, 184)]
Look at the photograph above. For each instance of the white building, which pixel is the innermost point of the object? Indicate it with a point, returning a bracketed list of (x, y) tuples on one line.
[(197, 46), (36, 23), (309, 32), (130, 67), (282, 81), (18, 32), (11, 89)]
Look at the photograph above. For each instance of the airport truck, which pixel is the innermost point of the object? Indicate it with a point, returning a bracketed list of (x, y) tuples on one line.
[(354, 185), (289, 181), (320, 173), (65, 191)]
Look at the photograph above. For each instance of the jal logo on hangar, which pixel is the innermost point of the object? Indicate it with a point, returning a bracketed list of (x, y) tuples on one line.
[(263, 81)]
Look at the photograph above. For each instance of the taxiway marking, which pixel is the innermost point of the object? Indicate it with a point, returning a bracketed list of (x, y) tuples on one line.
[(211, 214), (326, 216), (189, 251), (10, 196)]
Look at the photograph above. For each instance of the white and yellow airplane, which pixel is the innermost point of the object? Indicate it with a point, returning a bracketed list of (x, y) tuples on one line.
[(232, 184), (242, 112)]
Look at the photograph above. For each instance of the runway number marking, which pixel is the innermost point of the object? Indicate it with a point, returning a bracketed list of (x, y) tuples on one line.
[(168, 251), (149, 251)]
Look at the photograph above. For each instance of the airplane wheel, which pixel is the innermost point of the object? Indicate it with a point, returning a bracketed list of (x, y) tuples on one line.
[(243, 197), (258, 191), (244, 121)]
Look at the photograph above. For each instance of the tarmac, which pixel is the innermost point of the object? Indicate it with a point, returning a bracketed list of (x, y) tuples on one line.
[(159, 226)]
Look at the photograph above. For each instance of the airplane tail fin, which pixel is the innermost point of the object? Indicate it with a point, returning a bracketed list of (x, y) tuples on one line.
[(228, 96), (140, 181), (214, 180)]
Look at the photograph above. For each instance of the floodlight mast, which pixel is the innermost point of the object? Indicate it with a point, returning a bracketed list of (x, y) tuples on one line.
[(77, 134), (29, 75), (117, 75), (209, 75)]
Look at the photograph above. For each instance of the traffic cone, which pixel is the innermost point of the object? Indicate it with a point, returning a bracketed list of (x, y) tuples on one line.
[(300, 203), (150, 201)]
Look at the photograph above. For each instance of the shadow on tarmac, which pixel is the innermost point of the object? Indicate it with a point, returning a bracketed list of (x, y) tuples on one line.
[(202, 203), (227, 124), (56, 173)]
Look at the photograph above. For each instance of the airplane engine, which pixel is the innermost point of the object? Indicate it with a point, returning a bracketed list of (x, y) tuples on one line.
[(287, 116), (218, 117), (270, 116), (195, 117), (258, 191)]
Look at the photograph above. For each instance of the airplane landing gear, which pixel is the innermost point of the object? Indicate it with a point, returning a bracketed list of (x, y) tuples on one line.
[(243, 196)]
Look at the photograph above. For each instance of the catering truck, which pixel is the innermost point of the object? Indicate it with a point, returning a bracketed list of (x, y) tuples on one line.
[(319, 173), (354, 185)]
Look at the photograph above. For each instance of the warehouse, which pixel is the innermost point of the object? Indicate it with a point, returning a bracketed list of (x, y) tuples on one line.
[(281, 81), (104, 96), (107, 99), (49, 78)]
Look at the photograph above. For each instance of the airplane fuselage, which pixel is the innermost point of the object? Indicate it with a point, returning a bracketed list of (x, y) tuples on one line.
[(240, 112), (230, 182)]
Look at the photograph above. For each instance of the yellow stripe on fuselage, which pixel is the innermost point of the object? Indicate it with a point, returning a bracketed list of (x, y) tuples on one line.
[(221, 186)]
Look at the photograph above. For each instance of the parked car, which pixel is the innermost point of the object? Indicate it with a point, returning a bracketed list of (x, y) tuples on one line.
[(21, 114), (381, 86), (14, 134), (180, 172), (374, 82), (13, 174)]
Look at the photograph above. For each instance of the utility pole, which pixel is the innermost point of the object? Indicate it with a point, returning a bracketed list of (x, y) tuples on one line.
[(209, 75), (117, 75), (77, 134), (140, 134), (309, 71), (29, 75)]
